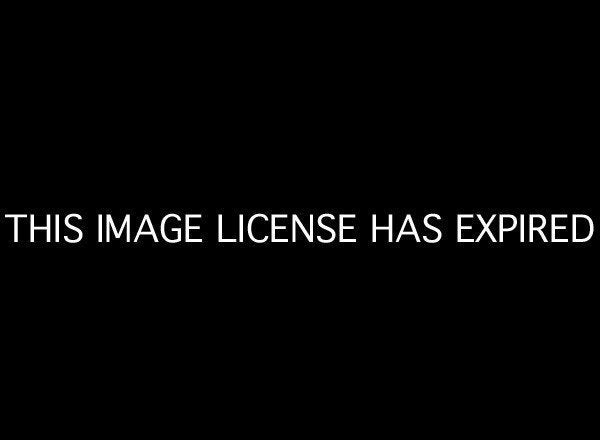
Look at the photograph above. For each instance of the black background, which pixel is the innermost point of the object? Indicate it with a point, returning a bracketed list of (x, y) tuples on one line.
[(386, 112)]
